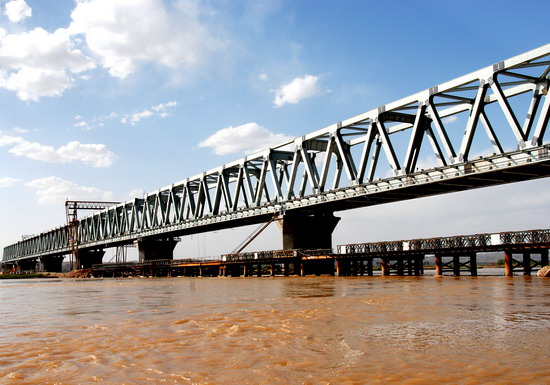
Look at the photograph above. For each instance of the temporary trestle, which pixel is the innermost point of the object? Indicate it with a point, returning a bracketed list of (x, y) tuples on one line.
[(526, 264), (456, 264)]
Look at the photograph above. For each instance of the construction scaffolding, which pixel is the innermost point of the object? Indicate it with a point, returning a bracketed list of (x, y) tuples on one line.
[(71, 210)]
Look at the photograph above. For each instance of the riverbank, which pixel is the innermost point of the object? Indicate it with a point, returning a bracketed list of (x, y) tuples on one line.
[(26, 276)]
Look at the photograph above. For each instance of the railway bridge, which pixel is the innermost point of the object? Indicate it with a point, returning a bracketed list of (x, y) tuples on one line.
[(481, 129)]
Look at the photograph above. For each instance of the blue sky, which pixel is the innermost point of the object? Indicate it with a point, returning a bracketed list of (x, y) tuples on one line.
[(107, 99)]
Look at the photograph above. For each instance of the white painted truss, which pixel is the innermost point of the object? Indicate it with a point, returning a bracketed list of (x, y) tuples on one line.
[(484, 128)]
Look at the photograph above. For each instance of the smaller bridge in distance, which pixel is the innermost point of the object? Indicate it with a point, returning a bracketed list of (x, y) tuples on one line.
[(455, 254)]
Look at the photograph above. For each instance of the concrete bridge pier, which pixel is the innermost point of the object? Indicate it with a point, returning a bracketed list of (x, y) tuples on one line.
[(156, 248), (88, 257), (307, 231), (52, 264), (26, 265)]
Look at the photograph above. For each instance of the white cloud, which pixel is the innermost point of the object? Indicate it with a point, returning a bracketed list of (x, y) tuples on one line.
[(95, 154), (158, 110), (19, 130), (7, 181), (297, 90), (17, 10), (126, 32), (37, 63), (248, 138), (450, 119), (8, 140), (52, 190)]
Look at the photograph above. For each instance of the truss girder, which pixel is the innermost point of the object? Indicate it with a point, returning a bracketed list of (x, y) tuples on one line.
[(448, 127)]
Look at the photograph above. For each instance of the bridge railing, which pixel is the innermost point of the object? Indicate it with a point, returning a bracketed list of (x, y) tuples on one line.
[(527, 237), (484, 241)]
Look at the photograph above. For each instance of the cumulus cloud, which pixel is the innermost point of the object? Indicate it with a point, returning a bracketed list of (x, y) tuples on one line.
[(52, 190), (17, 10), (95, 154), (8, 140), (38, 63), (248, 138), (119, 35), (297, 90), (126, 32), (8, 181)]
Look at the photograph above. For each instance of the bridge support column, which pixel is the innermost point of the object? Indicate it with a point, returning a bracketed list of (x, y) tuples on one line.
[(26, 265), (456, 265), (544, 258), (473, 264), (400, 269), (302, 231), (526, 263), (385, 266), (151, 249), (52, 264), (285, 269), (370, 272), (508, 263), (438, 264), (87, 258)]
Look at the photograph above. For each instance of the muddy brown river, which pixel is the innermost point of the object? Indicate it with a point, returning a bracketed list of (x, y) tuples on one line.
[(282, 330)]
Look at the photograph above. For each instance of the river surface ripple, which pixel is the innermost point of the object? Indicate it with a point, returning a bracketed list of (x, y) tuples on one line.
[(283, 330)]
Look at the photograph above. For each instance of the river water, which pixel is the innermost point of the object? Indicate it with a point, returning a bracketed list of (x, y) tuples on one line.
[(282, 330)]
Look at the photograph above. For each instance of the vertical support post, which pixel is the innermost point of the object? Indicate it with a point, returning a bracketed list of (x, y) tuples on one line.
[(473, 265), (438, 264), (400, 269), (410, 266), (259, 269), (385, 266), (543, 257), (418, 265), (370, 272), (285, 269), (338, 267), (302, 267), (272, 270), (456, 265), (526, 263), (508, 263)]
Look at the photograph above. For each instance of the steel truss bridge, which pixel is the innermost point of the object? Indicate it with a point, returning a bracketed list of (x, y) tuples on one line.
[(481, 129)]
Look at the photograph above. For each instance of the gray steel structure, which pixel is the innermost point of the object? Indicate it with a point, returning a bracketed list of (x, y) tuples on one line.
[(504, 107)]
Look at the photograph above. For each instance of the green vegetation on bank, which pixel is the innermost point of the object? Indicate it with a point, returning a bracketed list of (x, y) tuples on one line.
[(23, 276)]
